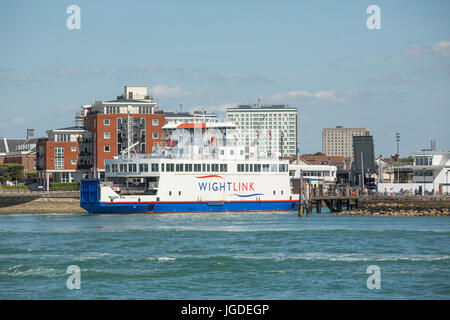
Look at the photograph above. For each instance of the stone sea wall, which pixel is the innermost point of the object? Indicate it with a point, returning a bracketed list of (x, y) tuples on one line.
[(45, 203), (401, 207)]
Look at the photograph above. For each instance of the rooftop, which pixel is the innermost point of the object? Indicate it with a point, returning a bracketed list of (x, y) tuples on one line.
[(8, 145), (256, 107)]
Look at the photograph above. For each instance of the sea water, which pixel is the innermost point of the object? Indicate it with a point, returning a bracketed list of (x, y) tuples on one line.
[(269, 255)]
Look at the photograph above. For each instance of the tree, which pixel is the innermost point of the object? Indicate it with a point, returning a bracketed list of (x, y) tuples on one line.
[(11, 172)]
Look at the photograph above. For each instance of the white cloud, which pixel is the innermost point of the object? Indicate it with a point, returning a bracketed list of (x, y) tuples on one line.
[(17, 120), (312, 97), (69, 107), (335, 63), (164, 91), (440, 48), (215, 108)]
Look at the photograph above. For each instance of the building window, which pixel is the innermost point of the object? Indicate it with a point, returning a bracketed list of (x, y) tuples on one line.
[(106, 135), (74, 149), (59, 157), (155, 135), (73, 162), (106, 122), (107, 149), (155, 122)]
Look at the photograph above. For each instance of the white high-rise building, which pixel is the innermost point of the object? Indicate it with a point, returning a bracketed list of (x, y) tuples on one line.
[(339, 141), (273, 128)]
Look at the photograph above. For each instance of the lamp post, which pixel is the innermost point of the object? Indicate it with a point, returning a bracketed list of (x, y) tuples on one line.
[(423, 172), (446, 182)]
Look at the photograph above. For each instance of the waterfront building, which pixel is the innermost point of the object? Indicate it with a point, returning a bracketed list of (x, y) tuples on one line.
[(364, 158), (19, 151), (432, 167), (342, 164), (57, 155), (273, 128), (103, 130), (339, 141), (430, 172), (112, 126)]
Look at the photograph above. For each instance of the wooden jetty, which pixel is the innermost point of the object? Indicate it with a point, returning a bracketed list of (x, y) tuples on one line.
[(336, 199)]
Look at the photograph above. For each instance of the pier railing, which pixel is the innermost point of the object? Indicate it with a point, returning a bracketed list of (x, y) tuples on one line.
[(26, 192)]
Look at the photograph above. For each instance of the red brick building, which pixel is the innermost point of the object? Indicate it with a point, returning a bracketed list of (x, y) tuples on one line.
[(104, 130), (57, 155)]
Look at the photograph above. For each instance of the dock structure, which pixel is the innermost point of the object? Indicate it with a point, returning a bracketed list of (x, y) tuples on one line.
[(336, 199)]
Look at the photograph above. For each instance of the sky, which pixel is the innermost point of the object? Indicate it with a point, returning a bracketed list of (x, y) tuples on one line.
[(318, 56)]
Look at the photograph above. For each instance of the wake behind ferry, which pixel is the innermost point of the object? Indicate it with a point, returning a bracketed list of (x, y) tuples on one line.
[(201, 170)]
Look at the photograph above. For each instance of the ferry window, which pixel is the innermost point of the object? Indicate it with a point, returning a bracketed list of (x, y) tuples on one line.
[(170, 193), (188, 167), (143, 167), (257, 168), (155, 167), (208, 167), (222, 152), (162, 166), (281, 191), (273, 168), (204, 167), (179, 193), (251, 167), (265, 167), (246, 167), (223, 168), (242, 152), (231, 152), (282, 167), (215, 167), (197, 167), (170, 167), (273, 191)]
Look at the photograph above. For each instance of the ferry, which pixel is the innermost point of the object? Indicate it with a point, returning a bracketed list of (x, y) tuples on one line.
[(200, 172)]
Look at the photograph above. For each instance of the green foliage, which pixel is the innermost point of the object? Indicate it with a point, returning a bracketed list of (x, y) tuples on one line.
[(11, 172), (31, 175), (65, 185), (315, 154), (409, 159), (13, 187)]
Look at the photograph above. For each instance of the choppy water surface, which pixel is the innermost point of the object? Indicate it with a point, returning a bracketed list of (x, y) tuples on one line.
[(223, 256)]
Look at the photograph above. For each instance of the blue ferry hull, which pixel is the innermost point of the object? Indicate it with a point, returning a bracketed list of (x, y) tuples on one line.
[(90, 201), (169, 207)]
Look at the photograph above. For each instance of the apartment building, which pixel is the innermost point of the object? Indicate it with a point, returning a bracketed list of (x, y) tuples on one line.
[(339, 141), (272, 128)]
